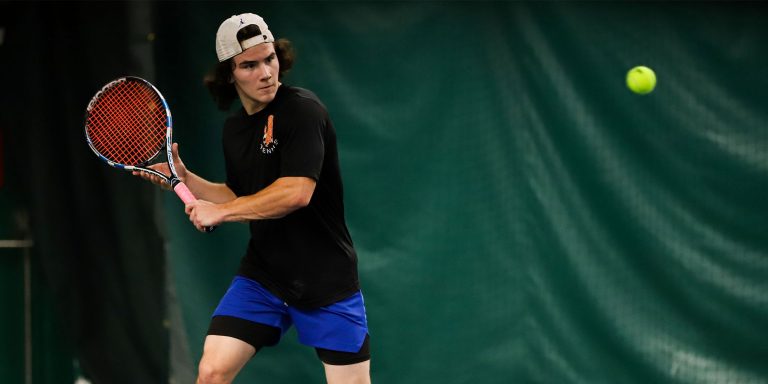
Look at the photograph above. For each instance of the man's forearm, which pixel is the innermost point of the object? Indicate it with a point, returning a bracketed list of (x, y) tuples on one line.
[(282, 197), (206, 190)]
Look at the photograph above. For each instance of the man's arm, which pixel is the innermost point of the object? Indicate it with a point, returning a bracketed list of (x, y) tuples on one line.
[(280, 198), (206, 190), (201, 188)]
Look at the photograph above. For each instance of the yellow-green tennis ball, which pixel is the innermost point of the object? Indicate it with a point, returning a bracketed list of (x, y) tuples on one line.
[(641, 80)]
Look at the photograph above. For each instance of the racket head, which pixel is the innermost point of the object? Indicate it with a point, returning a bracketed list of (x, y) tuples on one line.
[(128, 123)]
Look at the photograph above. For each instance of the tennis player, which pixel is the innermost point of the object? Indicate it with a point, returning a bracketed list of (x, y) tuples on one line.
[(283, 178)]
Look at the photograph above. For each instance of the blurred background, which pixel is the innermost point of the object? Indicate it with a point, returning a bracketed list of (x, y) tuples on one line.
[(520, 216)]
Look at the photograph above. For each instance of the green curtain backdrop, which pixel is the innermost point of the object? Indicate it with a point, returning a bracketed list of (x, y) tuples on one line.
[(520, 216)]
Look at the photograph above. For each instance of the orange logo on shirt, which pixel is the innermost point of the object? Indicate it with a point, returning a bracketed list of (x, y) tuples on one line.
[(268, 141)]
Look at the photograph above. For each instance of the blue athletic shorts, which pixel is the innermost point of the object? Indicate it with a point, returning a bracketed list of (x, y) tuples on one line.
[(341, 326)]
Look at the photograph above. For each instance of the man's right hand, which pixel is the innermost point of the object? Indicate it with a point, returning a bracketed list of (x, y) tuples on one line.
[(181, 170)]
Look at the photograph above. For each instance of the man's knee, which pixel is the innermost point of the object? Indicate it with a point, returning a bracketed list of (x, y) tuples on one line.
[(212, 374), (223, 357)]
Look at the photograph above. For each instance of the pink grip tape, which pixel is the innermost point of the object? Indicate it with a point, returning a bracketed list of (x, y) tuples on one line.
[(184, 193)]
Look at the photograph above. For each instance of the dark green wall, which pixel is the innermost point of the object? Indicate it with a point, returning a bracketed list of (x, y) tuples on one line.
[(97, 276)]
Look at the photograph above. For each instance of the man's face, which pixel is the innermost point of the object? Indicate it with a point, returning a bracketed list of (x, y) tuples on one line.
[(255, 73)]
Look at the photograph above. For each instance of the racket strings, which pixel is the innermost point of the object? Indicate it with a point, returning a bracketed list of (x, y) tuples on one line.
[(127, 123)]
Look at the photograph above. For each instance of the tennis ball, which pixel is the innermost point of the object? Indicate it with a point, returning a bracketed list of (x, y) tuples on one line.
[(641, 80)]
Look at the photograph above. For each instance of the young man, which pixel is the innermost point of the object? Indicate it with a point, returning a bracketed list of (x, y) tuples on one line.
[(283, 178)]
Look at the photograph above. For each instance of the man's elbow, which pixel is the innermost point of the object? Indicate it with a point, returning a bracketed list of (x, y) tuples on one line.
[(303, 193), (302, 199), (300, 192)]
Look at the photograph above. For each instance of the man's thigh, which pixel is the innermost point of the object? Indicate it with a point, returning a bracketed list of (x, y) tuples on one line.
[(223, 357), (348, 374)]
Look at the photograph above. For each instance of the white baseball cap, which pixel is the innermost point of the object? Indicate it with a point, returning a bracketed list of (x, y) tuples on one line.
[(227, 45)]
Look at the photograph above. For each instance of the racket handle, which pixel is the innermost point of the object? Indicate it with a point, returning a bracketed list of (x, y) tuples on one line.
[(183, 192), (187, 197)]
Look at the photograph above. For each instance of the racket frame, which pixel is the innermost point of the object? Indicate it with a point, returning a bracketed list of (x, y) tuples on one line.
[(173, 180)]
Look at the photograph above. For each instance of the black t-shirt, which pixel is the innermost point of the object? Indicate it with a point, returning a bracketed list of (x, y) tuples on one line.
[(306, 258)]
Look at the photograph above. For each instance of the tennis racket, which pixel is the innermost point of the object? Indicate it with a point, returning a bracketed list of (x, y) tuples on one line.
[(128, 124)]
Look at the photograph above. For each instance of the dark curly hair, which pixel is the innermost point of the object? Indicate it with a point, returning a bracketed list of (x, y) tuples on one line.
[(219, 79)]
